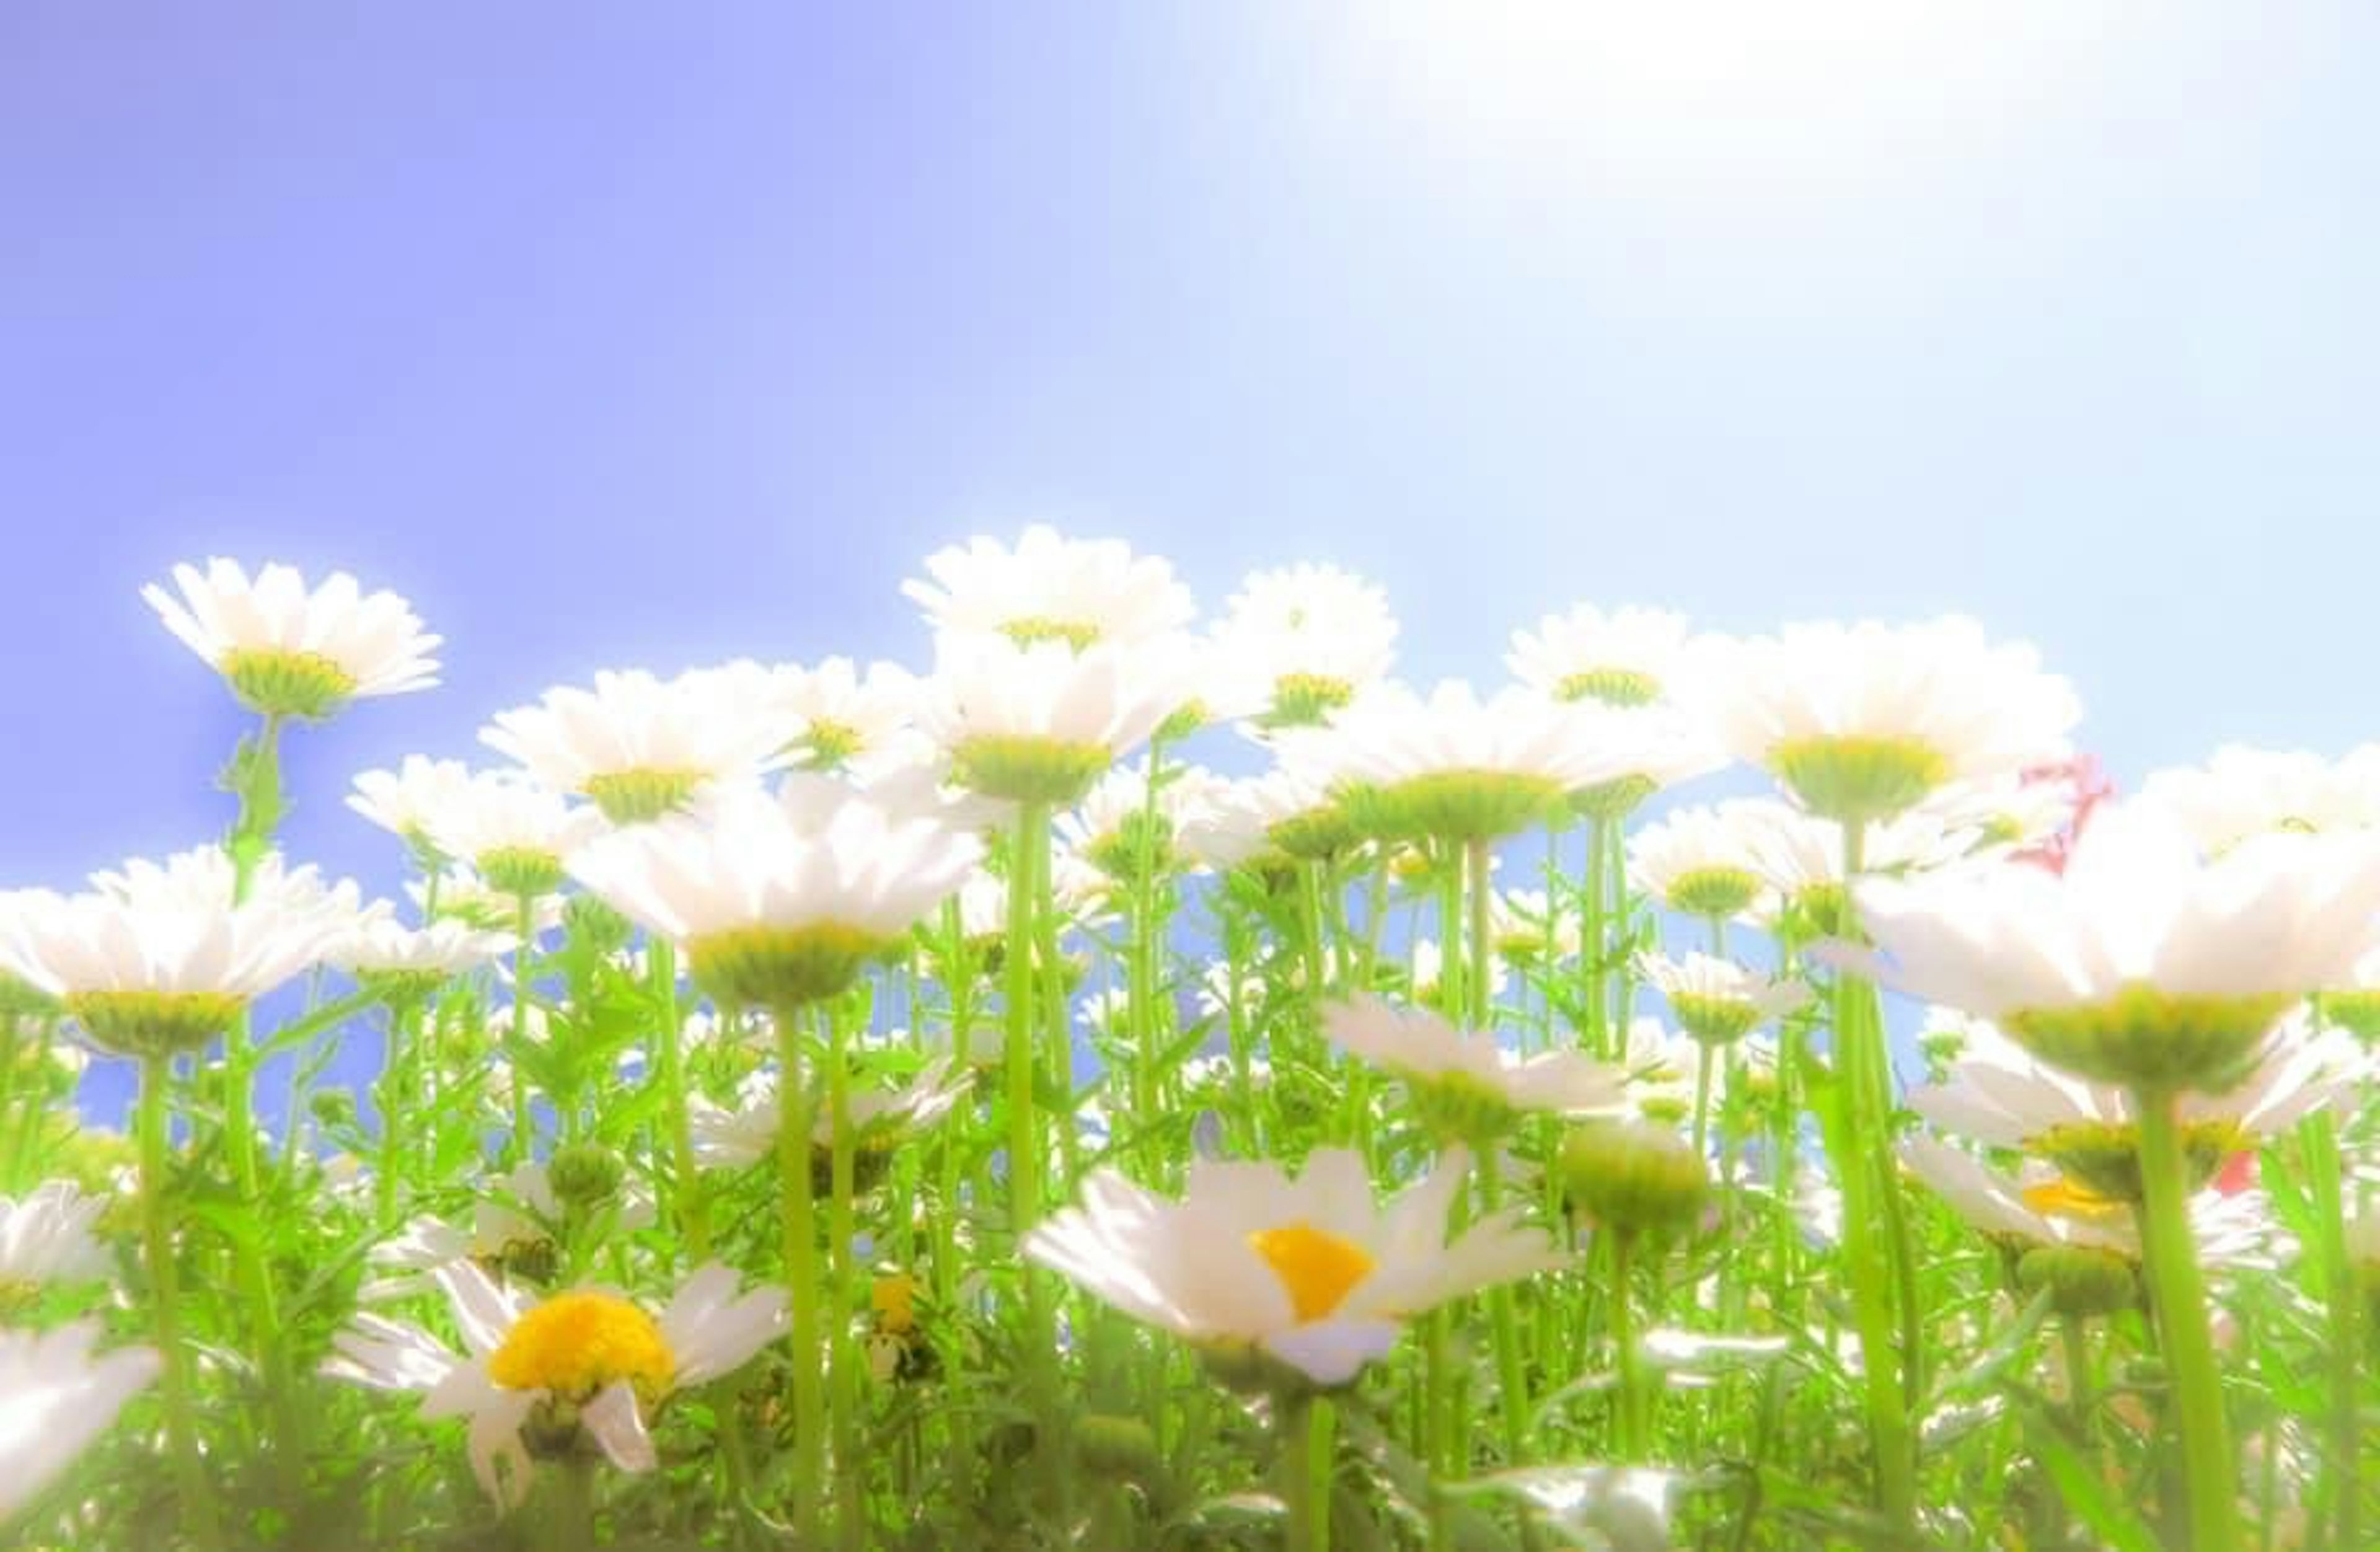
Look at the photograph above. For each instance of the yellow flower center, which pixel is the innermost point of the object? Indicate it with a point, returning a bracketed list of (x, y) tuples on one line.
[(894, 1299), (2064, 1198), (1318, 1267), (1031, 631), (575, 1344), (1611, 686), (281, 681)]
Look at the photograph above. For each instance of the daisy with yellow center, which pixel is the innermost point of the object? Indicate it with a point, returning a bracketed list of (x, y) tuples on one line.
[(1048, 588), (1311, 1270), (288, 650), (641, 746), (585, 1371), (1304, 641)]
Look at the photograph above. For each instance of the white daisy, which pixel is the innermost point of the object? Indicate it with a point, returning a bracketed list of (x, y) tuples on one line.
[(783, 896), (463, 896), (1048, 588), (1702, 862), (515, 1230), (846, 720), (642, 746), (404, 801), (1453, 765), (1999, 1094), (2141, 963), (1717, 1000), (1524, 929), (56, 1397), (1288, 811), (286, 650), (588, 1361), (2041, 1207), (1312, 1270), (1628, 658), (513, 830), (157, 959), (442, 949), (1042, 723), (1863, 721), (45, 1239), (1306, 639), (1436, 1057), (1111, 826), (2245, 792), (1663, 1072), (1426, 972)]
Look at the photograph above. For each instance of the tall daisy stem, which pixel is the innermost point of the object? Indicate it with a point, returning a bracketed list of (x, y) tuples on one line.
[(1627, 1405), (175, 1384), (2179, 1292), (2318, 1137), (800, 1226), (850, 1460), (693, 1215), (1309, 1437)]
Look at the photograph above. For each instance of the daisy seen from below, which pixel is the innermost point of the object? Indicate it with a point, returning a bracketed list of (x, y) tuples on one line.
[(404, 801), (1626, 658), (1863, 721), (56, 1395), (1041, 723), (1717, 1000), (1465, 1083), (2242, 791), (155, 961), (288, 650), (779, 898), (1453, 766), (642, 746), (513, 830), (581, 1373), (846, 720), (1311, 1270), (1047, 588), (1306, 640)]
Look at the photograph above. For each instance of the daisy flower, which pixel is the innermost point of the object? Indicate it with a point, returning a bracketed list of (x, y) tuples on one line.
[(404, 801), (2043, 1208), (414, 962), (156, 961), (1627, 658), (846, 720), (2244, 791), (45, 1239), (779, 898), (1717, 1000), (1112, 829), (287, 651), (1306, 639), (1310, 1270), (583, 1370), (1041, 722), (1702, 862), (513, 830), (880, 1120), (1860, 721), (1288, 811), (642, 746), (1051, 588), (1468, 1084), (1454, 766), (513, 1232), (2141, 964), (458, 893), (56, 1397), (1525, 931), (1999, 1094)]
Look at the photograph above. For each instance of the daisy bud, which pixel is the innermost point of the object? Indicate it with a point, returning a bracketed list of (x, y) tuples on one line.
[(1122, 1448), (584, 1175), (1633, 1177)]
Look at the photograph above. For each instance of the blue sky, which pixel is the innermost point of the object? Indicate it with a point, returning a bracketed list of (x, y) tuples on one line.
[(620, 335)]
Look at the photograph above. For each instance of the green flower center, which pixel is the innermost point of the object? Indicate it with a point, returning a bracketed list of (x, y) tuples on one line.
[(2149, 1039), (1713, 1020), (643, 793), (2106, 1159), (145, 1024), (1716, 892), (1615, 799), (770, 966), (520, 870), (1456, 805), (1024, 768), (1612, 687), (1855, 778), (1307, 700), (279, 682), (1080, 634)]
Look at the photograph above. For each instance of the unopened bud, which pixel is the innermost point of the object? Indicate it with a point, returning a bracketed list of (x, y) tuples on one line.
[(1633, 1177), (584, 1174)]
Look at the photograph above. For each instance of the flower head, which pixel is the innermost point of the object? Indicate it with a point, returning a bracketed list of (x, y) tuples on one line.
[(405, 801), (287, 651), (584, 1369), (1465, 1079), (1042, 723), (1627, 658), (1861, 722), (1307, 640), (45, 1239), (779, 897), (1716, 1000), (1048, 588), (2244, 791), (1312, 1270), (642, 746), (2143, 964)]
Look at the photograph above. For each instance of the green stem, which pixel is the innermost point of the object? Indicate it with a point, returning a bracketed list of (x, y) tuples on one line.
[(693, 1214), (1590, 939), (397, 1100), (1482, 968), (175, 1383), (850, 1459), (1512, 1380), (2179, 1292), (800, 1230), (1627, 1401), (2341, 1290), (570, 1527), (516, 1146), (1310, 1437)]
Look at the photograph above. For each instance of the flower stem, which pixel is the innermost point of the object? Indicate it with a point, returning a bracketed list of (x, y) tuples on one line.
[(2179, 1292), (1627, 1404), (1512, 1379), (1310, 1434), (693, 1215), (849, 1458), (173, 1385), (1591, 946), (800, 1226)]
